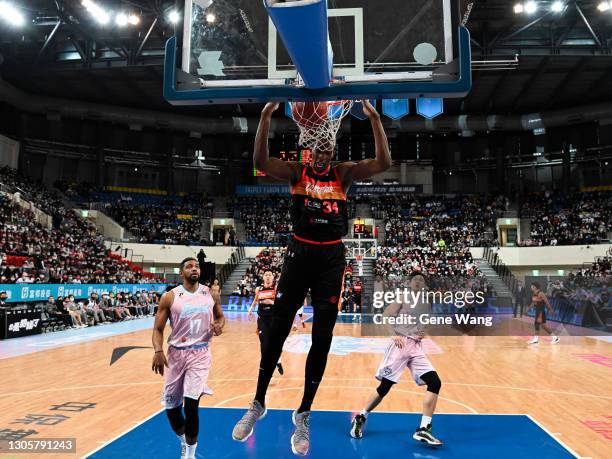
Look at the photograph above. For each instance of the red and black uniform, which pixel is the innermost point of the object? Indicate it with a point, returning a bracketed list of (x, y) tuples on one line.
[(265, 303), (314, 260), (315, 257), (540, 310), (318, 208), (357, 289)]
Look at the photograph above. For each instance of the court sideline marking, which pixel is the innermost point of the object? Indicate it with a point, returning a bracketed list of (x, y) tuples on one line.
[(486, 386)]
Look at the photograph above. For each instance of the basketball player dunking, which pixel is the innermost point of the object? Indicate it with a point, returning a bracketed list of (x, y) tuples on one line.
[(406, 351), (540, 303), (264, 299), (315, 259), (195, 316)]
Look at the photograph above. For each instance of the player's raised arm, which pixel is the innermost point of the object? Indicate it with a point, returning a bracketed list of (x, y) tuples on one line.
[(368, 167), (274, 167), (163, 312)]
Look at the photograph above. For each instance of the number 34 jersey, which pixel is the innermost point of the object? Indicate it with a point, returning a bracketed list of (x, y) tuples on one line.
[(191, 317), (318, 211)]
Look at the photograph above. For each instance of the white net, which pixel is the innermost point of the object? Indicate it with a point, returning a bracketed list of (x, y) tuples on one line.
[(319, 122), (359, 259)]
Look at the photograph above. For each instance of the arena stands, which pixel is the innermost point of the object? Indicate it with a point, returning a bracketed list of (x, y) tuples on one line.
[(567, 219), (151, 218), (267, 219), (69, 252), (266, 259), (446, 268), (425, 220)]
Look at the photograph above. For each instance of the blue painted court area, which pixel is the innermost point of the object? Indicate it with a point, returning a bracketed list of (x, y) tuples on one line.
[(387, 435)]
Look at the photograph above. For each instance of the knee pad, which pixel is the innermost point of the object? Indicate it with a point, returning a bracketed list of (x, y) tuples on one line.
[(384, 387), (175, 416), (433, 382)]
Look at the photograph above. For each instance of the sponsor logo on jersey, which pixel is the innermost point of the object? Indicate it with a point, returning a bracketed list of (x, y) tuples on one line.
[(318, 189)]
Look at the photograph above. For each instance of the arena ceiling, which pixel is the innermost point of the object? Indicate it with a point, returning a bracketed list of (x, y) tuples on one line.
[(561, 59)]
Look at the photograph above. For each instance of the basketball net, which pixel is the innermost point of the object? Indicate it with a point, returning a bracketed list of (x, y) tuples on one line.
[(359, 259), (321, 131)]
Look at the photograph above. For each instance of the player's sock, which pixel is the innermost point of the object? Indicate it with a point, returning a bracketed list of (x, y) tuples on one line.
[(183, 446), (190, 452), (364, 413), (425, 421)]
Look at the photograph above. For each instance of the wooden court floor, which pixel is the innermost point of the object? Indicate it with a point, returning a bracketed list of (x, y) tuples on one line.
[(566, 388)]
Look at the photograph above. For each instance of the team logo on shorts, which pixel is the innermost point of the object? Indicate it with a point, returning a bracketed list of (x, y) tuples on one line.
[(279, 294), (387, 371)]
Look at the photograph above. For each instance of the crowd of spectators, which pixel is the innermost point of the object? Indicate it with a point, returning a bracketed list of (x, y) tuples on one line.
[(266, 259), (68, 312), (70, 251), (150, 218), (419, 221), (567, 218), (267, 219), (166, 222), (445, 268)]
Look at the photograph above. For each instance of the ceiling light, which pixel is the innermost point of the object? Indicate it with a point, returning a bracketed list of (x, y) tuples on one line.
[(557, 7), (518, 8), (121, 19), (11, 14), (210, 18), (603, 6), (531, 7), (134, 19), (173, 16), (96, 11)]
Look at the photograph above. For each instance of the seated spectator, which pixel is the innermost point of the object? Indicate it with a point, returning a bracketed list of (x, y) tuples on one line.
[(93, 310), (75, 314), (567, 218)]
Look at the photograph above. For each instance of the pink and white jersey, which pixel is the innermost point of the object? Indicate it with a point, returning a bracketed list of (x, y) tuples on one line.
[(191, 317)]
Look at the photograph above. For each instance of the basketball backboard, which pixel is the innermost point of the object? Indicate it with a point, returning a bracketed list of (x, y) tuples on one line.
[(231, 52), (365, 248)]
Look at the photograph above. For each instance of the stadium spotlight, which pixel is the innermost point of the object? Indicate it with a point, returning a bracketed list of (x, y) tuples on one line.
[(96, 11), (121, 19), (531, 7), (603, 6), (210, 18), (557, 7), (11, 14), (134, 19), (173, 16), (518, 8)]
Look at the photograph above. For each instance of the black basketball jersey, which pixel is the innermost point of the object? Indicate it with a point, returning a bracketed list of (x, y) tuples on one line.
[(265, 300), (318, 210)]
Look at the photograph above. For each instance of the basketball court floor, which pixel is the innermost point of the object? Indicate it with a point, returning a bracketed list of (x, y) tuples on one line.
[(500, 398)]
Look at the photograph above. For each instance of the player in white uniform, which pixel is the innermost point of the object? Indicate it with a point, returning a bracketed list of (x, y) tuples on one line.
[(405, 351), (300, 314), (195, 316)]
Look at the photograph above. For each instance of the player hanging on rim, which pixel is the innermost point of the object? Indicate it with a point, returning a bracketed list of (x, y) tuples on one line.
[(195, 316), (540, 302), (264, 299), (406, 351), (315, 259)]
